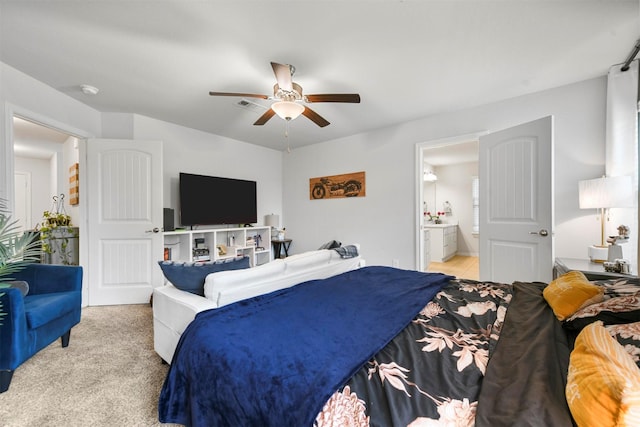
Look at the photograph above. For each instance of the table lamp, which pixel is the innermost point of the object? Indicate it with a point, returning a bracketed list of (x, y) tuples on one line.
[(272, 221), (604, 193)]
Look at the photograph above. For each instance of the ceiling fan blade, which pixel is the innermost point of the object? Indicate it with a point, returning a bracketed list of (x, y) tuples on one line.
[(315, 117), (334, 97), (265, 117), (283, 76), (243, 95)]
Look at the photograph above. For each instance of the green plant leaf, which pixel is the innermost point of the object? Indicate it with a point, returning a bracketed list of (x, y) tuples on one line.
[(17, 249)]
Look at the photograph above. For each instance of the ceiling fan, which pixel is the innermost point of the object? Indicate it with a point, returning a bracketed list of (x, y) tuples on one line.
[(289, 98)]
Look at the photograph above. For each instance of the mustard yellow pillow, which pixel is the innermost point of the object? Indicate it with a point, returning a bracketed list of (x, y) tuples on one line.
[(603, 383), (571, 292)]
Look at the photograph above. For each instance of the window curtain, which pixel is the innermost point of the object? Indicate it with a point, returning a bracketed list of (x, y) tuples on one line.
[(622, 149)]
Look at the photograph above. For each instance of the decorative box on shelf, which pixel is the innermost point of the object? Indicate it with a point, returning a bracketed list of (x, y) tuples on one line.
[(201, 254)]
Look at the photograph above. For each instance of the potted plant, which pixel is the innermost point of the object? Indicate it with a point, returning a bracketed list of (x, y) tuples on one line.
[(55, 219), (435, 218), (57, 236), (17, 249)]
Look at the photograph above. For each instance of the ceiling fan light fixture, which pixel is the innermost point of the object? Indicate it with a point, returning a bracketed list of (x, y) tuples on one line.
[(287, 110)]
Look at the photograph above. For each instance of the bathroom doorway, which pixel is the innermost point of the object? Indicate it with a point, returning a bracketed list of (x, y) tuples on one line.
[(448, 208)]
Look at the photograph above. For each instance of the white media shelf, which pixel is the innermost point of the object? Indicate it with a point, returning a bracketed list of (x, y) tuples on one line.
[(254, 242)]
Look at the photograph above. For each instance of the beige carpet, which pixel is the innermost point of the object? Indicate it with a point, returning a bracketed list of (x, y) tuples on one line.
[(108, 376)]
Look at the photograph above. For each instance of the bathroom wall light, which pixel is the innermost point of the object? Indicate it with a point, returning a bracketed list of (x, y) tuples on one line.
[(430, 176)]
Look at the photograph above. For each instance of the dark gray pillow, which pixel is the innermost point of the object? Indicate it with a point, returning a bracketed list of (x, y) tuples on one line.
[(331, 244), (21, 285), (190, 277), (349, 251)]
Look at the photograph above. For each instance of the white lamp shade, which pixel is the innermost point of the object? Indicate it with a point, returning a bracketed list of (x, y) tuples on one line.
[(606, 192), (272, 220), (287, 110)]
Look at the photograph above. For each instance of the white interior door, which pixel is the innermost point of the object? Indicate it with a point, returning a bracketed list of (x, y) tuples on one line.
[(124, 205), (516, 203)]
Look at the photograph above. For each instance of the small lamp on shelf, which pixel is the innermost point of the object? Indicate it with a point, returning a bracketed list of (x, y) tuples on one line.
[(272, 221), (604, 193)]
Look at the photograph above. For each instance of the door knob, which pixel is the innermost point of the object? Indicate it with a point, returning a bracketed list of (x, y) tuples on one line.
[(542, 232), (154, 230)]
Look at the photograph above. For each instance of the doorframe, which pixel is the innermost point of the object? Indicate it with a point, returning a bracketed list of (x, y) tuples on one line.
[(420, 150), (11, 111)]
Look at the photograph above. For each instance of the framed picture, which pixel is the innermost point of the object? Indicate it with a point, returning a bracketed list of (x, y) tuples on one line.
[(222, 249), (74, 185), (337, 186)]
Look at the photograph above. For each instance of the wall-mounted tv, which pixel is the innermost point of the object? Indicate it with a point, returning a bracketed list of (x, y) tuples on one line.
[(212, 200)]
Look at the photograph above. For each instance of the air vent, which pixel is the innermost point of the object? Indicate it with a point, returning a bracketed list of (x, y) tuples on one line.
[(248, 105)]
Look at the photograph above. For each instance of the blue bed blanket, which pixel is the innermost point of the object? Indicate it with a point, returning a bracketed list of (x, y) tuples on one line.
[(275, 359)]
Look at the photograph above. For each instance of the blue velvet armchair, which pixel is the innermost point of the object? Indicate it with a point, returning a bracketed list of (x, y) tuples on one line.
[(47, 312)]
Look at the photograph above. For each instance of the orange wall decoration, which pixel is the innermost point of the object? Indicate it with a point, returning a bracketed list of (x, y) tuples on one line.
[(74, 185), (337, 186)]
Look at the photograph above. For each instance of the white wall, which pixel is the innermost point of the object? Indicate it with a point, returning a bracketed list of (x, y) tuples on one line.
[(70, 157), (384, 221), (193, 151)]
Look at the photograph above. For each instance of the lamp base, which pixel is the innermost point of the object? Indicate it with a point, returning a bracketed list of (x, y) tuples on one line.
[(615, 252), (598, 253)]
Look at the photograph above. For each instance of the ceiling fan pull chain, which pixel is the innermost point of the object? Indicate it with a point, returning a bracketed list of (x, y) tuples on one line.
[(286, 134)]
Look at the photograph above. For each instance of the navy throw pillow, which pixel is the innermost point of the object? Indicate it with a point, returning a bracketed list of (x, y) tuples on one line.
[(189, 276)]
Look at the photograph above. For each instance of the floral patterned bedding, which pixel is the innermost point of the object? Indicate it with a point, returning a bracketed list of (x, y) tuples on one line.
[(619, 311), (628, 335), (431, 373), (478, 354)]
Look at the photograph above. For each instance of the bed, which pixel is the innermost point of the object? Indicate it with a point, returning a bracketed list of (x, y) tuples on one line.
[(382, 346)]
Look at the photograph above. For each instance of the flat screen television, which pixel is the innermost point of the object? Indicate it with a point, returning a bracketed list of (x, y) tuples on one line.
[(212, 200)]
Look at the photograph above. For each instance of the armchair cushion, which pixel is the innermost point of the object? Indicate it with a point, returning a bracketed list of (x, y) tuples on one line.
[(44, 308)]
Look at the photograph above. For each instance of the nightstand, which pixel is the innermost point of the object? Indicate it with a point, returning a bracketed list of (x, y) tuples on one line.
[(592, 270), (279, 245)]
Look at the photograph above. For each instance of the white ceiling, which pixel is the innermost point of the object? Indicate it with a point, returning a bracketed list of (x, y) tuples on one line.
[(407, 59), (461, 152), (36, 141)]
